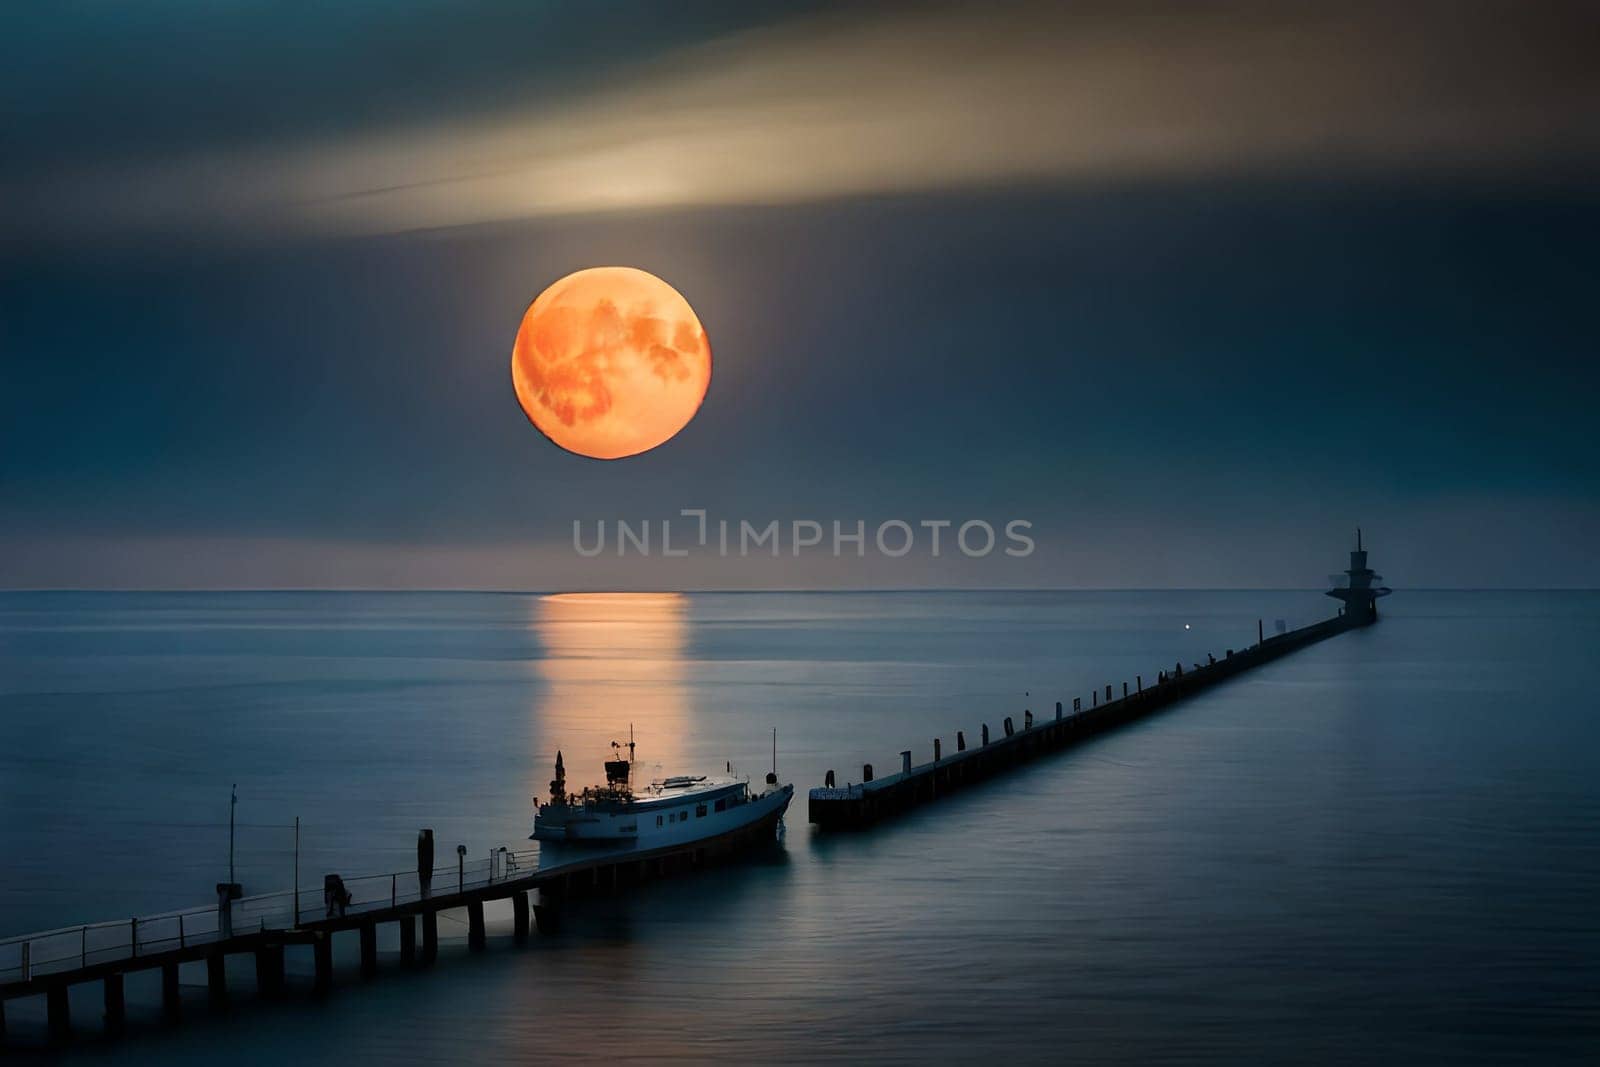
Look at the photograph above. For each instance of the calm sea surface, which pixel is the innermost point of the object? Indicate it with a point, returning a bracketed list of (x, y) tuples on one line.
[(1385, 847)]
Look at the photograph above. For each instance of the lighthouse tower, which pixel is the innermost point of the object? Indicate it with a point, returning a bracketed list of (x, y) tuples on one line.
[(1358, 588)]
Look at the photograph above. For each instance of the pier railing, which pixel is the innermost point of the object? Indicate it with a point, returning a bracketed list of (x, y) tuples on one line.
[(73, 948)]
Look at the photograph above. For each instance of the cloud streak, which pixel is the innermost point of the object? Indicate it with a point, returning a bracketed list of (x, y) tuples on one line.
[(831, 107)]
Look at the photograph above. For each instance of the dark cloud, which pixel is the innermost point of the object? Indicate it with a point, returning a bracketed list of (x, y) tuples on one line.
[(1146, 359)]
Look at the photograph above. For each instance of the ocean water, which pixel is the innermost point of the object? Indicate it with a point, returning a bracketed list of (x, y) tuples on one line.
[(1385, 847)]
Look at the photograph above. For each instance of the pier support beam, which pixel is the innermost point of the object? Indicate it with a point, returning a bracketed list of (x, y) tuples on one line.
[(171, 993), (217, 979), (116, 1005), (519, 917), (408, 940), (547, 913), (60, 1013), (475, 934), (269, 971), (369, 949), (430, 937), (322, 955)]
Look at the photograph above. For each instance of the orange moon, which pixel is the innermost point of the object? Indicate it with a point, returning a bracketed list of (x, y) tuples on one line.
[(610, 362)]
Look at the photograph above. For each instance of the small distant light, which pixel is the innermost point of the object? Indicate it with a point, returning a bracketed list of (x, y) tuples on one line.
[(1185, 626)]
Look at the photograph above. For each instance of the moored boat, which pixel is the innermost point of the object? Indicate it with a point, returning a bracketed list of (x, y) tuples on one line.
[(669, 812)]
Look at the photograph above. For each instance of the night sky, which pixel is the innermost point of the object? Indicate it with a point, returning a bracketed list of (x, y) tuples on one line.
[(1192, 288)]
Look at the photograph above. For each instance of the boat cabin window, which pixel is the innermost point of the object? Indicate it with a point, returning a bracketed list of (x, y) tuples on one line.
[(700, 811), (683, 815), (722, 803), (658, 820)]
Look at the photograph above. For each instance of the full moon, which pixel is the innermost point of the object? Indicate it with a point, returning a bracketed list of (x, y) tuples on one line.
[(610, 362)]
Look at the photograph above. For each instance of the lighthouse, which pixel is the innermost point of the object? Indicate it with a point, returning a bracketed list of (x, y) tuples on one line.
[(1358, 587)]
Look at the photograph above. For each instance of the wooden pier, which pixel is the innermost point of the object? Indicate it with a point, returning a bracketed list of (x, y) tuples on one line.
[(858, 805), (48, 964)]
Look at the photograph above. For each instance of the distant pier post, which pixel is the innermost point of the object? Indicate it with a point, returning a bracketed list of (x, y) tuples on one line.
[(1139, 681), (1009, 728), (425, 861), (1058, 711), (475, 931), (1077, 705), (905, 761), (986, 733), (961, 741), (936, 750), (866, 772)]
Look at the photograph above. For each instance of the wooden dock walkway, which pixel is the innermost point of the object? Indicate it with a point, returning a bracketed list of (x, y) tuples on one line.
[(49, 963)]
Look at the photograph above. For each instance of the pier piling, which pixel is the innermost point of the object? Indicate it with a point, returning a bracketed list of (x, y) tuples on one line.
[(116, 1005), (322, 956), (519, 917), (171, 993), (475, 931), (59, 1010), (430, 937), (408, 939), (369, 949), (217, 979), (961, 741)]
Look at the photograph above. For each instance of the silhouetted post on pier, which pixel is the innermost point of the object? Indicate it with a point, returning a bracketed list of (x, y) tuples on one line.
[(936, 750), (1058, 711), (425, 861), (986, 733), (475, 931), (961, 741)]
